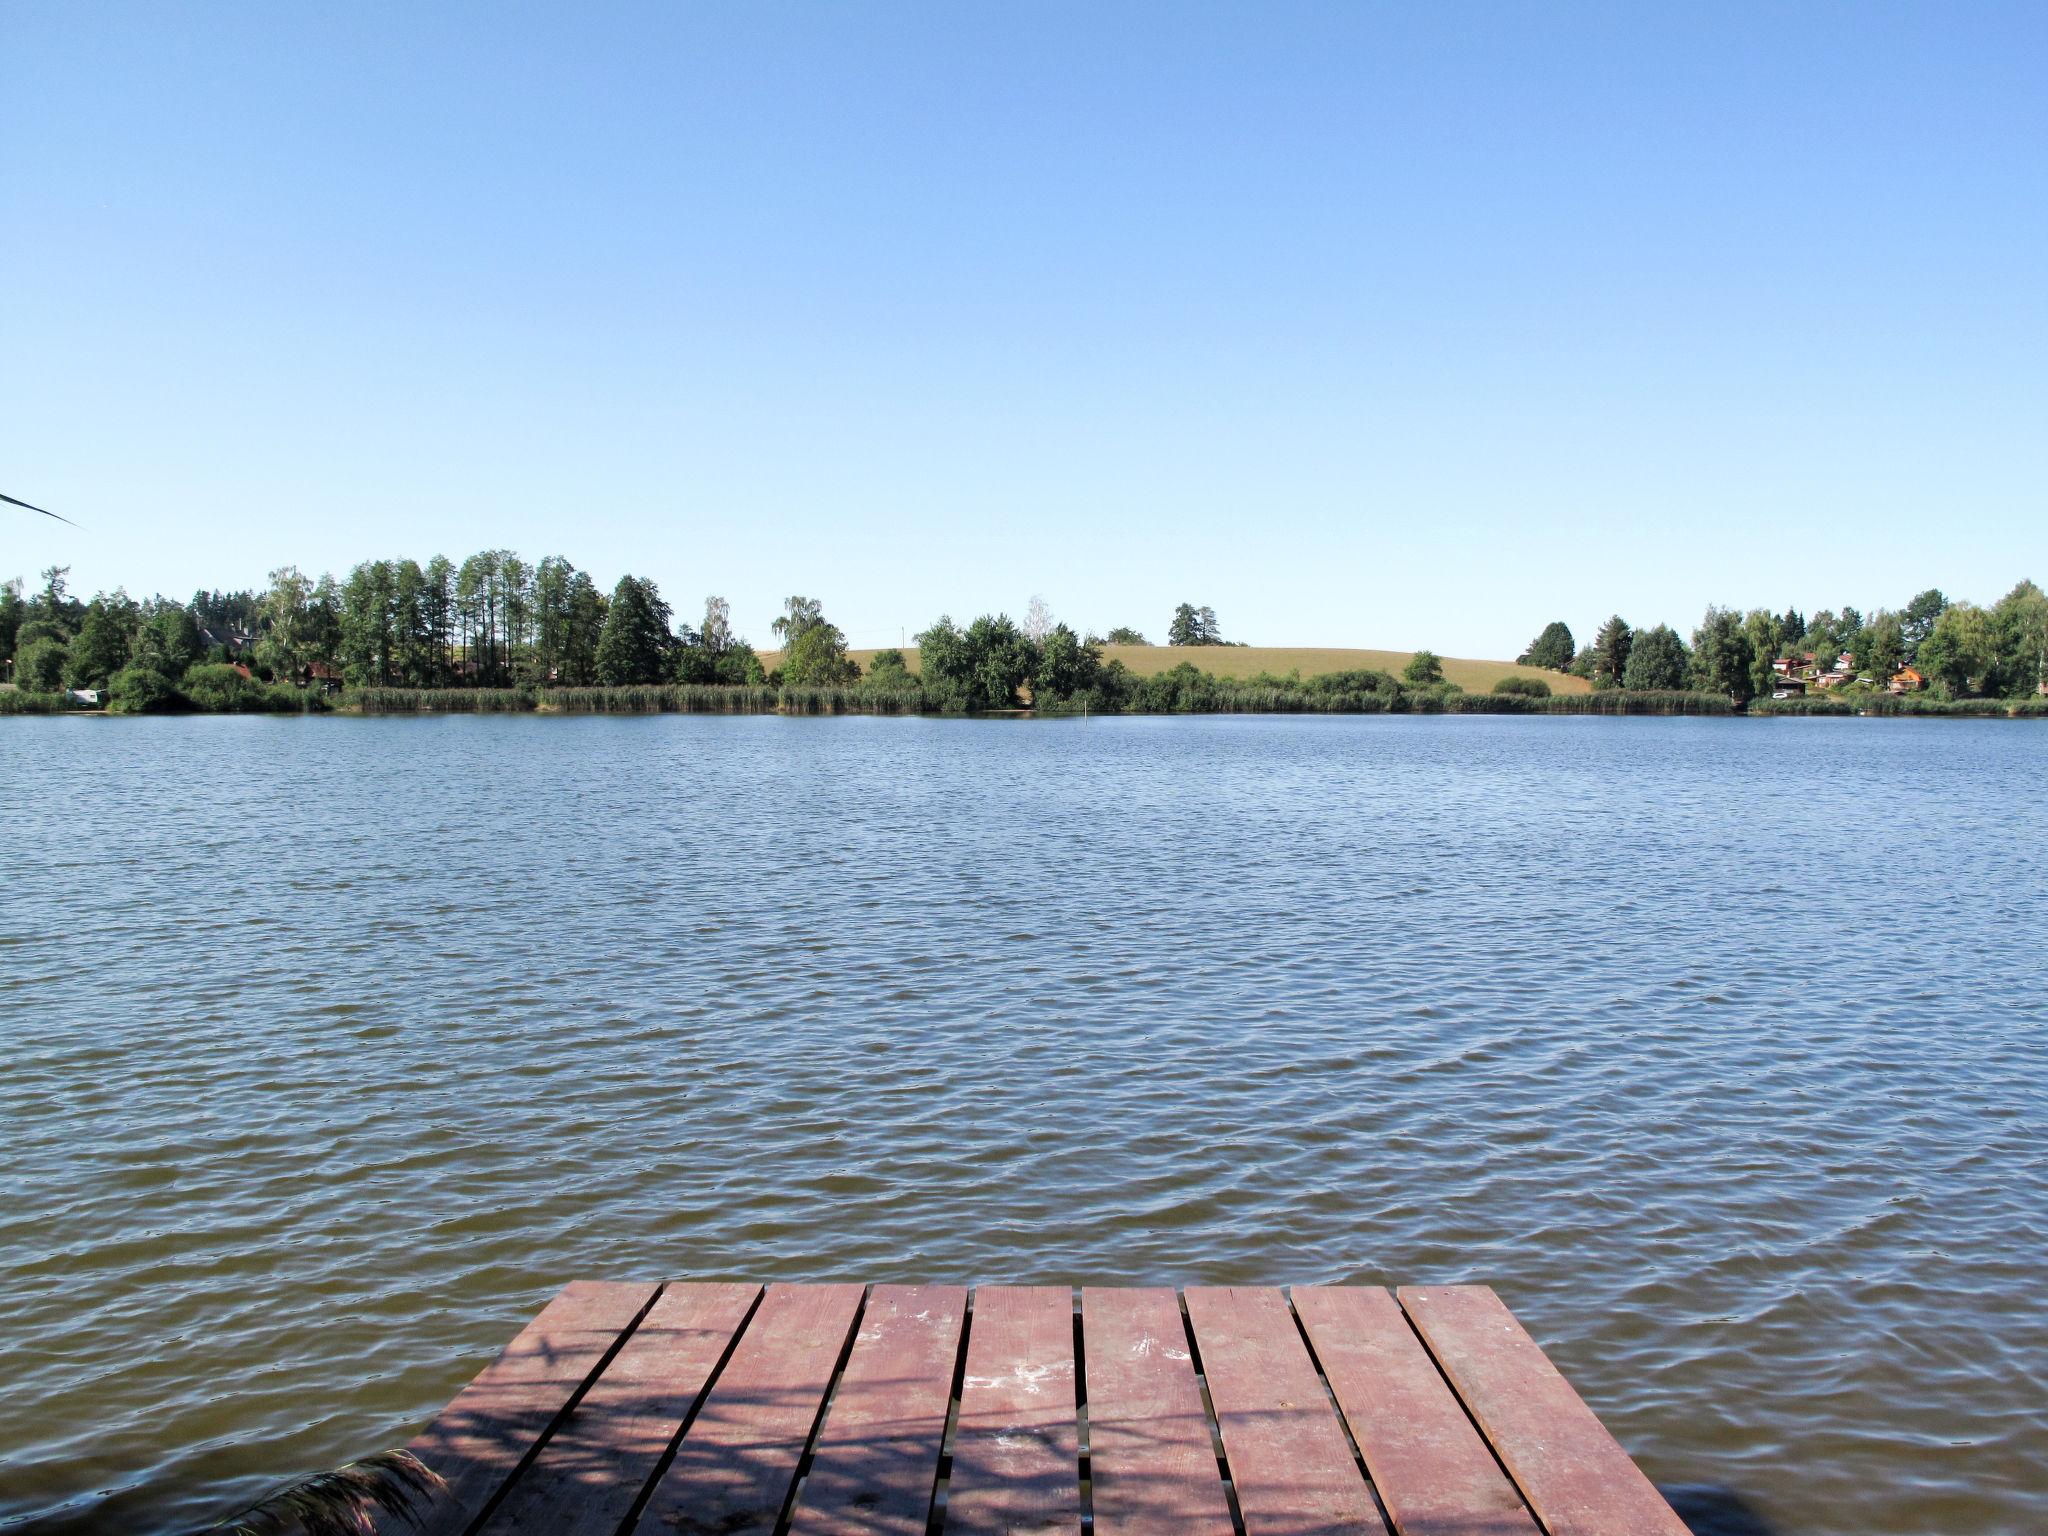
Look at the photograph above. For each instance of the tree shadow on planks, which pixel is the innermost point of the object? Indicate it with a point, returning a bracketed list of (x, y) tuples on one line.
[(1712, 1511)]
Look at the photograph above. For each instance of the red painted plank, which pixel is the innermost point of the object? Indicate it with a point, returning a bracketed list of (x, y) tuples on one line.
[(1575, 1476), (1151, 1455), (1293, 1469), (588, 1475), (479, 1440), (733, 1471), (877, 1458), (1016, 1452), (1432, 1470)]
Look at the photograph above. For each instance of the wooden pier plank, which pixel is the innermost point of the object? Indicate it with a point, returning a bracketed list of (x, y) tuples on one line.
[(481, 1439), (877, 1457), (1151, 1452), (1016, 1451), (733, 1471), (1430, 1466), (592, 1469), (1576, 1477), (1292, 1467)]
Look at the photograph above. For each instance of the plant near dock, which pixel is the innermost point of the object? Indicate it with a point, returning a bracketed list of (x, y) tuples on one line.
[(342, 1502)]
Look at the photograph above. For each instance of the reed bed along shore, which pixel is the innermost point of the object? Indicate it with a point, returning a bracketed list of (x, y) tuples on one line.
[(1209, 696)]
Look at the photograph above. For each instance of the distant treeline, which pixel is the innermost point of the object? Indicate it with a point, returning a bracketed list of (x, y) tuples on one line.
[(1956, 650), (495, 633)]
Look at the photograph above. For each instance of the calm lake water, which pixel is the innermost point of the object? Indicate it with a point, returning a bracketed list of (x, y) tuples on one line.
[(333, 1046)]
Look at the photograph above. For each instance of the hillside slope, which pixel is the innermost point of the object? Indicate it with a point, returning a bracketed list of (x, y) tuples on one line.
[(1250, 660)]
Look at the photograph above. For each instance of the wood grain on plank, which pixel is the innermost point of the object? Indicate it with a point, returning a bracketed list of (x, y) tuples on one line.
[(1575, 1476), (589, 1474), (734, 1469), (1433, 1471), (1016, 1452), (877, 1457), (1292, 1467), (1151, 1454), (480, 1439)]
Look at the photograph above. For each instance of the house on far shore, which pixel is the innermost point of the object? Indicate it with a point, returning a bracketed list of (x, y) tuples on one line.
[(321, 675), (1833, 679), (1905, 680), (1787, 688), (224, 637)]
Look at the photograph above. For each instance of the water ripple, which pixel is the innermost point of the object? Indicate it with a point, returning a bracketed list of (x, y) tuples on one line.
[(333, 1046)]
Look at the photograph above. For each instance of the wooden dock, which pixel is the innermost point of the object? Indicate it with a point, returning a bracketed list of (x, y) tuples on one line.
[(910, 1410)]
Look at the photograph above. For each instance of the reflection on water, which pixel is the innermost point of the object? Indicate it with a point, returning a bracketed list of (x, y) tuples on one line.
[(334, 1046)]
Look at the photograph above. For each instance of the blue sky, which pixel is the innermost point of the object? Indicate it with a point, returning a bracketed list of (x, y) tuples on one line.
[(1373, 325)]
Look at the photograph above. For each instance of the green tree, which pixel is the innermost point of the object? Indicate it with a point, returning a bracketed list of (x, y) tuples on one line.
[(1959, 651), (141, 690), (944, 664), (1066, 667), (813, 649), (1721, 656), (1004, 661), (1761, 629), (417, 658), (1610, 652), (438, 615), (587, 612), (12, 612), (54, 605), (634, 646), (1424, 668), (981, 667), (1554, 648), (368, 623), (284, 613), (104, 642), (168, 640), (553, 581), (2019, 627), (1657, 660), (715, 635), (705, 656), (1123, 634), (40, 664), (1880, 648), (798, 615), (1194, 626), (1917, 621), (219, 688), (479, 613), (888, 669), (323, 622)]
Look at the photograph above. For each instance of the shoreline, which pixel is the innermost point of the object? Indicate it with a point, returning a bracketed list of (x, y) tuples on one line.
[(795, 702)]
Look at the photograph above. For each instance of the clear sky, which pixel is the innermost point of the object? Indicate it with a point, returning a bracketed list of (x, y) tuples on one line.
[(1385, 325)]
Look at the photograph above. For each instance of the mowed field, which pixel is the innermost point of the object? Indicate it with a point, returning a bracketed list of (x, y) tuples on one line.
[(1279, 660)]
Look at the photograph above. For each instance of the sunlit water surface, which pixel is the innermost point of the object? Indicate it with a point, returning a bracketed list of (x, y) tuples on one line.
[(333, 1046)]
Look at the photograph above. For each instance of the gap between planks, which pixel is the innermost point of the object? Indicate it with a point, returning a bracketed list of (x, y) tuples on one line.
[(1084, 1515)]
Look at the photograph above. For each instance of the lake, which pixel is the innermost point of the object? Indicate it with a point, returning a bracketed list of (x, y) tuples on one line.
[(333, 1046)]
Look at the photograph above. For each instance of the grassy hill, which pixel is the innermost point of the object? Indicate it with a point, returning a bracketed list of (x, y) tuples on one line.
[(1279, 660)]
